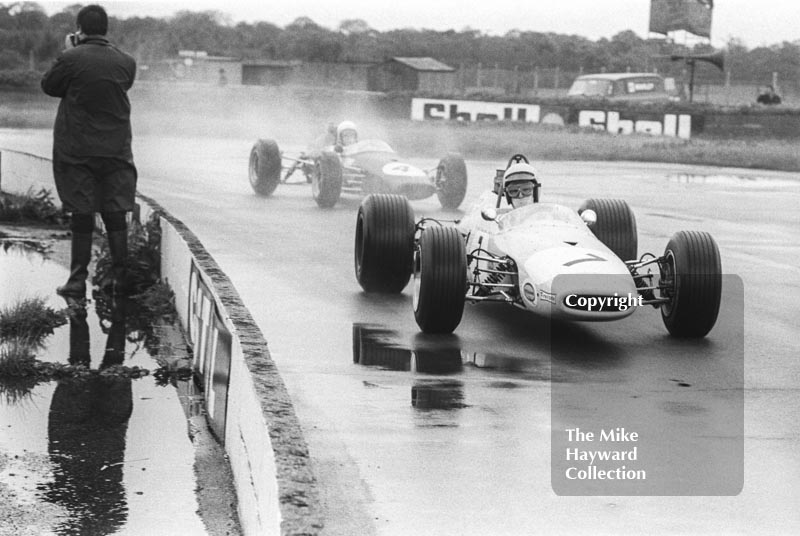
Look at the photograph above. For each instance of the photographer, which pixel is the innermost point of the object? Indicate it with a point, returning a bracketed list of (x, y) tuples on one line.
[(92, 159)]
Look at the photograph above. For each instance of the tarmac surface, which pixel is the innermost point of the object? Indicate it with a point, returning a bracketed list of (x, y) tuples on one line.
[(414, 434)]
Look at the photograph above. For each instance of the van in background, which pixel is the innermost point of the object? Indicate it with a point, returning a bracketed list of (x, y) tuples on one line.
[(639, 87)]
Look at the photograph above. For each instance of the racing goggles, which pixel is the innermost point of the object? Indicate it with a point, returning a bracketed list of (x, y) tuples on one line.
[(519, 191)]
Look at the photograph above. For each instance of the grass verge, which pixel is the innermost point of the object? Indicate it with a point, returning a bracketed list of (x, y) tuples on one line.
[(31, 207), (29, 319), (544, 142)]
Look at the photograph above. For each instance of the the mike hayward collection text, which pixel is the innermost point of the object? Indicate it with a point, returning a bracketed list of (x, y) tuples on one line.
[(589, 470)]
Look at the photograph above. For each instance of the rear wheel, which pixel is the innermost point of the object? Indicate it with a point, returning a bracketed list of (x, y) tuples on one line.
[(615, 226), (264, 169), (451, 180), (384, 247), (692, 273), (440, 279), (326, 179)]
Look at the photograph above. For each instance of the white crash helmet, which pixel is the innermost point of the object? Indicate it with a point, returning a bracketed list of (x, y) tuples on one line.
[(346, 126), (519, 171)]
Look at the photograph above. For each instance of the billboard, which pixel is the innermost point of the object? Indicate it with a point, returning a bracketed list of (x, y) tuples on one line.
[(694, 16)]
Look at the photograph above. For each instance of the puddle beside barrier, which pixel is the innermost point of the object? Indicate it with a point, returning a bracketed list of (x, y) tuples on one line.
[(100, 453)]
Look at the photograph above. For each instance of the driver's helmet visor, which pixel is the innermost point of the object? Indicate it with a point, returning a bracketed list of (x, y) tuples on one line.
[(349, 137), (519, 189)]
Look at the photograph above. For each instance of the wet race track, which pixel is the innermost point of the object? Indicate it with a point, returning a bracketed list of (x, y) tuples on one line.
[(416, 434)]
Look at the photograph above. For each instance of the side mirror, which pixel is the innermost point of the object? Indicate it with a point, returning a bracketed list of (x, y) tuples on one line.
[(589, 217), (338, 148), (489, 214)]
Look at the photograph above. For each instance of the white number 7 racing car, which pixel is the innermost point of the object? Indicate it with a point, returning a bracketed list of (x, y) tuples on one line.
[(545, 258)]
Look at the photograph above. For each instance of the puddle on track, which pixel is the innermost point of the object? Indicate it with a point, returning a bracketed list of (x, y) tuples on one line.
[(102, 455), (380, 347)]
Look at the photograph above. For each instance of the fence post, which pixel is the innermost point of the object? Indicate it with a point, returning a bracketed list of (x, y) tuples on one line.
[(517, 89), (496, 76), (775, 81), (727, 87), (536, 80), (557, 76), (478, 76)]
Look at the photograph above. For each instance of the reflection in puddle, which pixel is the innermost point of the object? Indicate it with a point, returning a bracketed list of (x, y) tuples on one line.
[(438, 394), (373, 347), (86, 432), (26, 246), (378, 347), (97, 450), (740, 180), (87, 427), (438, 355)]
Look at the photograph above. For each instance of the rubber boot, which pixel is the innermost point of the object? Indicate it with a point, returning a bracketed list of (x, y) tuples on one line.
[(81, 255), (118, 246)]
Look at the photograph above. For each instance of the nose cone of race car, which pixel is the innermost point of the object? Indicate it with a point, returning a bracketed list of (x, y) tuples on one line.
[(407, 180), (579, 284)]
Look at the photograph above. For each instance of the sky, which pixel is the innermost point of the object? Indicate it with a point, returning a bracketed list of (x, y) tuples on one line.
[(755, 22)]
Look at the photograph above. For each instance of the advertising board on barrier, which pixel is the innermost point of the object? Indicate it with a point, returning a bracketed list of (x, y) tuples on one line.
[(211, 342), (464, 110), (626, 123), (613, 121)]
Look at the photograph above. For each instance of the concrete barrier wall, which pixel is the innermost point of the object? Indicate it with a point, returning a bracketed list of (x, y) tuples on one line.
[(275, 485)]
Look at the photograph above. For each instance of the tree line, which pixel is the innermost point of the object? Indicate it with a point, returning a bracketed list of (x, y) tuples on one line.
[(30, 40)]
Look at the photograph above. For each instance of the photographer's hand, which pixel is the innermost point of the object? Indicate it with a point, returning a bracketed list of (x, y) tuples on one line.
[(71, 41)]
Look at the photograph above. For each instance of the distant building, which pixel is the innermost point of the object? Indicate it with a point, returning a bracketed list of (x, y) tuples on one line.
[(348, 76), (268, 72), (195, 66), (396, 74), (412, 74)]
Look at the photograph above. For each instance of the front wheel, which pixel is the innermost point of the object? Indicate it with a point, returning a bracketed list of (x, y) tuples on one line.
[(451, 180), (615, 226), (440, 279), (384, 247), (326, 179), (691, 275), (264, 169)]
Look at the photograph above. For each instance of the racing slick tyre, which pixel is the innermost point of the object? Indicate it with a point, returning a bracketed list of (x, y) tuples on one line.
[(326, 180), (265, 167), (692, 275), (384, 248), (451, 180), (615, 226), (440, 279)]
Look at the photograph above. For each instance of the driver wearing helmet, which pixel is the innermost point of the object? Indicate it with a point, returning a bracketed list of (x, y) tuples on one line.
[(519, 183), (346, 133)]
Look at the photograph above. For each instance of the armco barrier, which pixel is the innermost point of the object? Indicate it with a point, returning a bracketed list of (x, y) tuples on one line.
[(248, 406)]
